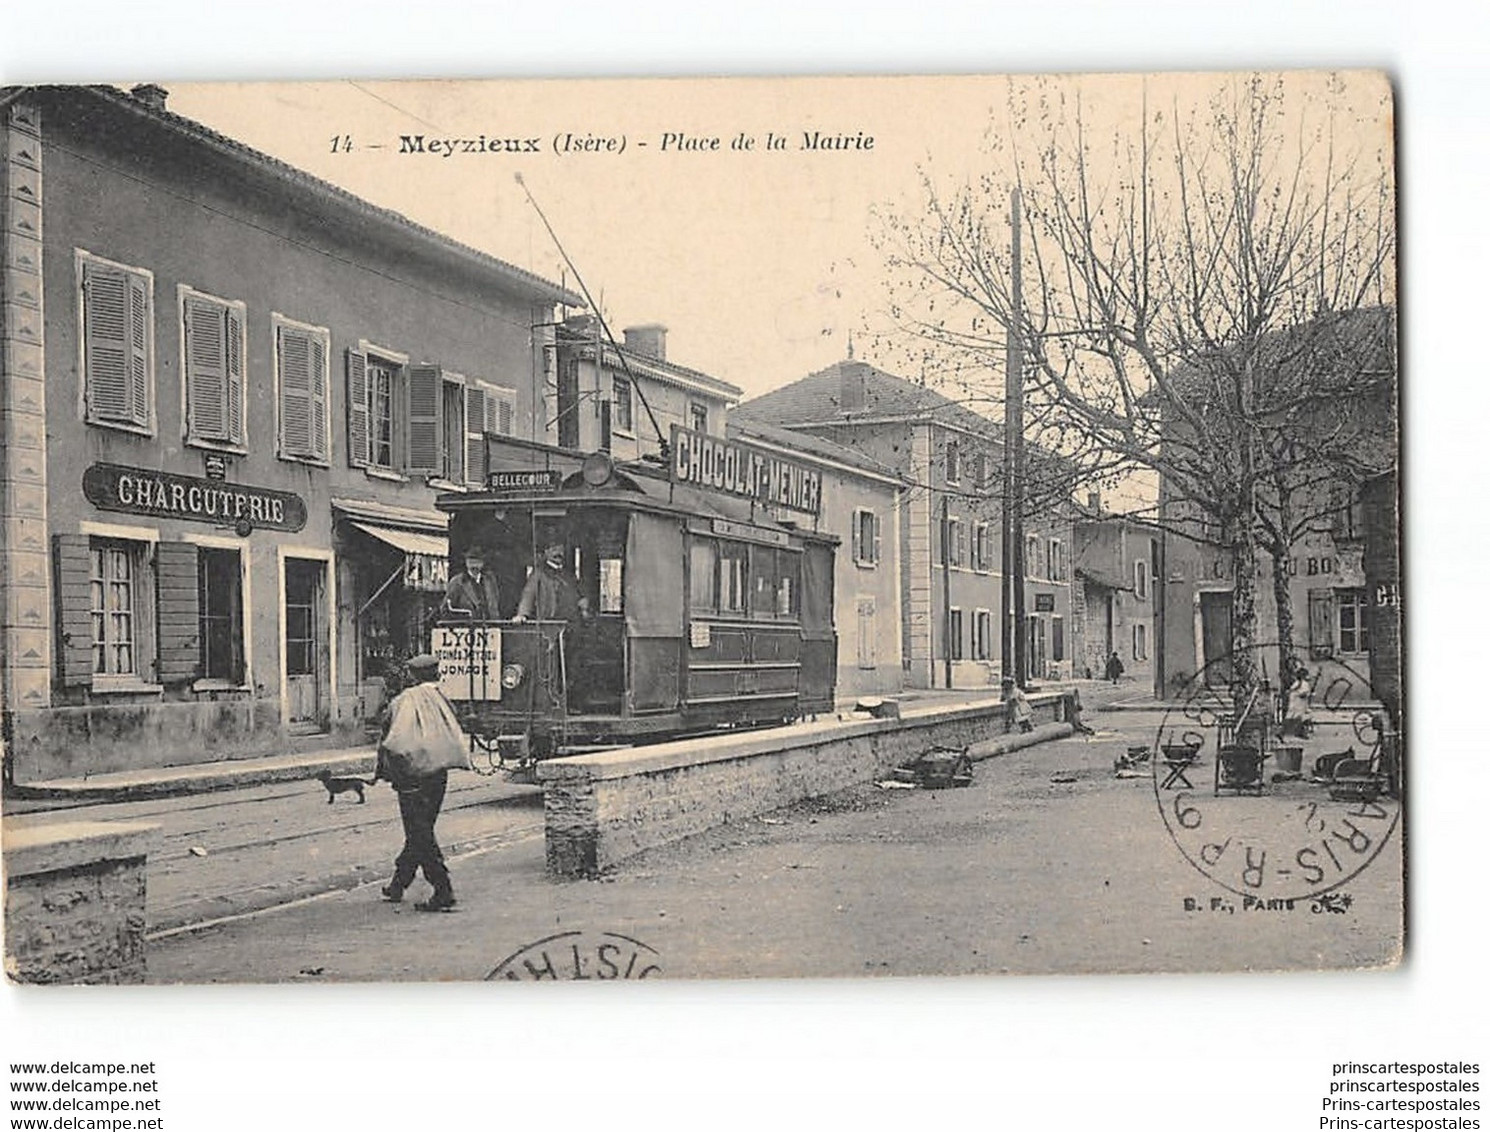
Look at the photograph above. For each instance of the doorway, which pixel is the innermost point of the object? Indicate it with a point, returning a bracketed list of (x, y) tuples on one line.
[(1215, 637), (307, 645)]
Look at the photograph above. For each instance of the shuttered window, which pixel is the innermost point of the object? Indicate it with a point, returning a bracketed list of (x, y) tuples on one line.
[(118, 348), (300, 357), (476, 426), (177, 603), (105, 611), (866, 537), (424, 404), (212, 333), (358, 415)]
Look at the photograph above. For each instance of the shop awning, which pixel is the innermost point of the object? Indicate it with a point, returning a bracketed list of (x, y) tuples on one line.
[(410, 542), (425, 567)]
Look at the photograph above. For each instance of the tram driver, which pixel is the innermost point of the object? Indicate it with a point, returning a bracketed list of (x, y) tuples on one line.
[(552, 592)]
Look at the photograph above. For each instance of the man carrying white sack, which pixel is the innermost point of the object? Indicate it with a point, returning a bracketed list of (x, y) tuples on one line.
[(423, 742)]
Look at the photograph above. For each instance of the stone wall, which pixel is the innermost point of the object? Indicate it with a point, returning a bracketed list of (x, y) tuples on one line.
[(600, 809), (75, 902)]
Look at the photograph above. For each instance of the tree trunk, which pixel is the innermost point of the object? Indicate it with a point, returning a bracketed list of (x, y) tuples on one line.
[(1244, 618), (1284, 604)]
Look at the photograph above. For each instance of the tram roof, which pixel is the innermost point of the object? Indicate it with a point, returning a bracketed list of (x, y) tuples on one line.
[(642, 488)]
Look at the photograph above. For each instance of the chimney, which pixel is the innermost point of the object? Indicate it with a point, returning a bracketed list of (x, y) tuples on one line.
[(649, 340), (851, 392), (1094, 502), (151, 95)]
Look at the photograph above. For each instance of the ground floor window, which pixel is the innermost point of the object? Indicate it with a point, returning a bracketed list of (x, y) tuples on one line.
[(113, 578), (954, 631), (220, 614), (1140, 642), (1057, 639), (1351, 610), (982, 635)]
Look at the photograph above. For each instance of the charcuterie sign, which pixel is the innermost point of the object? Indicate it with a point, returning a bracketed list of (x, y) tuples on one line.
[(140, 491)]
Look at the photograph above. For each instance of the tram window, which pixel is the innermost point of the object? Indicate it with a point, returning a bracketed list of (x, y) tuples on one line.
[(789, 585), (733, 571), (702, 574), (763, 581), (610, 585)]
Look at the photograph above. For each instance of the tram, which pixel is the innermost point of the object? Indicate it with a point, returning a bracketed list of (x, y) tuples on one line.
[(701, 611)]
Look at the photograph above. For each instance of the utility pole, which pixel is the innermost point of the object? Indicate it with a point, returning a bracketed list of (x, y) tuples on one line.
[(946, 592), (1012, 636)]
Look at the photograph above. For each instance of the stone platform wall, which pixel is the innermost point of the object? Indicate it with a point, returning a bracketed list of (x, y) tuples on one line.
[(600, 809), (75, 902)]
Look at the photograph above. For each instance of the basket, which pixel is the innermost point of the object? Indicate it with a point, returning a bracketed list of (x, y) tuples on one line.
[(1240, 766), (1289, 760)]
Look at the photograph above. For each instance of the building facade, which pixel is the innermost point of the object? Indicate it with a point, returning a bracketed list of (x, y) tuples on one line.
[(1332, 389), (1114, 595), (949, 525), (625, 399), (231, 394)]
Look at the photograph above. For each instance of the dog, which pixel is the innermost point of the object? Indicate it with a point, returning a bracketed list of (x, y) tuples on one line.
[(335, 786)]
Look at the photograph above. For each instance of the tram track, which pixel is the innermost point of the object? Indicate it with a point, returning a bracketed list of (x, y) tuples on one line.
[(224, 908)]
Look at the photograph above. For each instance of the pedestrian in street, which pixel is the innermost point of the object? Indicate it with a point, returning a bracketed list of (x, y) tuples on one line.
[(473, 592), (1114, 667), (422, 744), (1020, 714), (1073, 713)]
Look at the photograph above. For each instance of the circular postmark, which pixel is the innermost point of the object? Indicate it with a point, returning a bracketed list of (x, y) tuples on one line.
[(580, 956), (1277, 804)]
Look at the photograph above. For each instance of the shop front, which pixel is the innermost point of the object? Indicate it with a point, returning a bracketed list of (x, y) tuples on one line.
[(397, 570)]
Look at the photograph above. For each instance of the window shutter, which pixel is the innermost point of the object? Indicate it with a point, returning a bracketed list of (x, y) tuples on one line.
[(74, 611), (139, 336), (424, 419), (177, 612), (318, 390), (296, 411), (476, 417), (1321, 623), (874, 550), (504, 416), (235, 376), (206, 369), (108, 349), (358, 427)]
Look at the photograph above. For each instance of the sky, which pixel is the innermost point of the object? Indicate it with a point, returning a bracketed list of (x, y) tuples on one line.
[(670, 197)]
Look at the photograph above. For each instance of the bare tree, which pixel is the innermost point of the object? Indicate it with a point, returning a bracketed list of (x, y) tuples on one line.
[(1165, 255)]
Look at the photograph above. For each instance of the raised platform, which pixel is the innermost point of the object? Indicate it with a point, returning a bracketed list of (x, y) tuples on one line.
[(75, 902), (601, 808)]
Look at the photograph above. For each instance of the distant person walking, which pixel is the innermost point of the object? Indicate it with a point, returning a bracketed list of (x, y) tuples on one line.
[(1114, 667), (422, 743)]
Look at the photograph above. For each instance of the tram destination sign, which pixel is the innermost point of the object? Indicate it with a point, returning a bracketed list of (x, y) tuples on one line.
[(739, 469), (524, 479), (141, 491)]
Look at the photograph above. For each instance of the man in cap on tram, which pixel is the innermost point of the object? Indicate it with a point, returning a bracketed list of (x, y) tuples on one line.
[(551, 592)]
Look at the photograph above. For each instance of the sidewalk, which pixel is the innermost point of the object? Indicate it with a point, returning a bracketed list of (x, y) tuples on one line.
[(198, 778), (228, 774)]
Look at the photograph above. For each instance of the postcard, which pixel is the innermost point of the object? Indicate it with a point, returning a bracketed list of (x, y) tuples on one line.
[(740, 528)]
